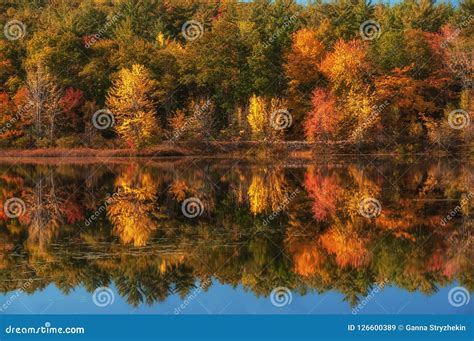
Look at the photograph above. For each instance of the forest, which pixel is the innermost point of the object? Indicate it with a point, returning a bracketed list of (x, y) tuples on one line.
[(133, 74)]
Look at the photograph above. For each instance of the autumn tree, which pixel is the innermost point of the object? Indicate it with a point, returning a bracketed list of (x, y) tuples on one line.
[(302, 70), (42, 104), (267, 118), (257, 116), (9, 119), (323, 121), (347, 66), (302, 61), (345, 108), (130, 100), (71, 104)]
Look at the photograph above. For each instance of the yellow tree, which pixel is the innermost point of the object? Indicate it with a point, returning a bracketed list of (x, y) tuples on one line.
[(257, 116), (268, 118), (130, 101)]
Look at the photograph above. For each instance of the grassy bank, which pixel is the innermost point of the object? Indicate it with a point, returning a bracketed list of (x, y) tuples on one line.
[(242, 149)]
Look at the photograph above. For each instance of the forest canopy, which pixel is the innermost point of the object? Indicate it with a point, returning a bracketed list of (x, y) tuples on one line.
[(127, 73)]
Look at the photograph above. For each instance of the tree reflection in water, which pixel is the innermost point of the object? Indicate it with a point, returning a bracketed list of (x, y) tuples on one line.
[(140, 240)]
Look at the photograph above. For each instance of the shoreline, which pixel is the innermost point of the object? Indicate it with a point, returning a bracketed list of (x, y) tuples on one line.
[(213, 150)]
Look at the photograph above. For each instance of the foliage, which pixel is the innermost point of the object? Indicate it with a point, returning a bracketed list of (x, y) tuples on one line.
[(130, 100), (310, 59)]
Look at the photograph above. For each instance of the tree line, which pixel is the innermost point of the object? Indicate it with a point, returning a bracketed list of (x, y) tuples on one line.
[(136, 73)]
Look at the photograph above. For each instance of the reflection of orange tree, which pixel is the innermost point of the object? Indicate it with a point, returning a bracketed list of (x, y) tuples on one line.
[(308, 254), (325, 191), (348, 243)]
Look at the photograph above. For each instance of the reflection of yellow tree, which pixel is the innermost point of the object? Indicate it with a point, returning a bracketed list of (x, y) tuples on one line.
[(364, 187), (132, 207), (267, 189)]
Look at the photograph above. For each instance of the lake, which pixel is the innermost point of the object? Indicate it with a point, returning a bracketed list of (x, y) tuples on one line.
[(365, 235)]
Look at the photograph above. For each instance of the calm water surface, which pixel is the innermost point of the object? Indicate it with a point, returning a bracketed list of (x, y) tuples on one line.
[(348, 236)]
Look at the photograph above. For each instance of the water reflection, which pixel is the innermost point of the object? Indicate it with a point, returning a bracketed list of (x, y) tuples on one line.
[(262, 227)]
